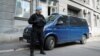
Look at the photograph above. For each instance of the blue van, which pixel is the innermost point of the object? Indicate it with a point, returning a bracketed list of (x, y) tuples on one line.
[(61, 29)]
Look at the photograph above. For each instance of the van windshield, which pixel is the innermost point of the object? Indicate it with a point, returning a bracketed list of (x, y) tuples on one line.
[(51, 18)]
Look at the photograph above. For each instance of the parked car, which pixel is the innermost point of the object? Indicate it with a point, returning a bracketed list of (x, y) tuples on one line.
[(61, 29)]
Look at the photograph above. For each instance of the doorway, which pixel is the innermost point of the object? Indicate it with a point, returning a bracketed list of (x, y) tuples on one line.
[(52, 9), (73, 11), (49, 10)]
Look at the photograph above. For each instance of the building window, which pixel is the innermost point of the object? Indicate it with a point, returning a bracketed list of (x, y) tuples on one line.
[(52, 6), (89, 18), (22, 8), (86, 1), (73, 11), (95, 20), (98, 4), (52, 2), (43, 1), (52, 10), (98, 17), (93, 2)]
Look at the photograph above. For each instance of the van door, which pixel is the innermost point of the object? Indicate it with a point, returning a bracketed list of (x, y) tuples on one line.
[(61, 28), (75, 29)]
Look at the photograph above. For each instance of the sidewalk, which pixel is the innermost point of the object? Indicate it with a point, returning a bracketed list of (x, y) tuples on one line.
[(23, 45), (96, 38)]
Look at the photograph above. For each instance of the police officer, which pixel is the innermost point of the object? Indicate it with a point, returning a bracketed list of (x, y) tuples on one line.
[(38, 21)]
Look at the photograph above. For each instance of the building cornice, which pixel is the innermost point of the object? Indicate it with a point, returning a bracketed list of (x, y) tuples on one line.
[(85, 6)]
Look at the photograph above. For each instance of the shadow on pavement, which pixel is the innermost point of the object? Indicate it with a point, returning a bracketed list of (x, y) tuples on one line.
[(66, 44), (57, 46)]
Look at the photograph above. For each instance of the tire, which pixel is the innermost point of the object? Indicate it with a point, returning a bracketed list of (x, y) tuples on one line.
[(83, 40), (49, 43)]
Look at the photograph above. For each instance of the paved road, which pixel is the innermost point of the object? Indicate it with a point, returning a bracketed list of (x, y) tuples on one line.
[(91, 48)]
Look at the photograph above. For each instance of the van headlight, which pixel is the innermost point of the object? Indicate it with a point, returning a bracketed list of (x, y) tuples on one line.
[(25, 30)]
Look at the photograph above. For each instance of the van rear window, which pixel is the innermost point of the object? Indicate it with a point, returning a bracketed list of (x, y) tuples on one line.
[(77, 22)]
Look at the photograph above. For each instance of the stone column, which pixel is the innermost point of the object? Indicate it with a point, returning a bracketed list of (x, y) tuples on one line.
[(7, 12)]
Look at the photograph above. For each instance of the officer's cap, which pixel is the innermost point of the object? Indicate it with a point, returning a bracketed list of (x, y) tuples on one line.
[(38, 8)]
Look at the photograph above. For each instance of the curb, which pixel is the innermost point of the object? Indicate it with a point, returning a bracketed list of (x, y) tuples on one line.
[(11, 50)]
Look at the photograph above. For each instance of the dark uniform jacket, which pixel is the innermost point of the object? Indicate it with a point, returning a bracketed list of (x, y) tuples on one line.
[(38, 21)]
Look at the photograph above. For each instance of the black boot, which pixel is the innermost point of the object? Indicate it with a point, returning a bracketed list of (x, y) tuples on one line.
[(42, 52), (31, 54)]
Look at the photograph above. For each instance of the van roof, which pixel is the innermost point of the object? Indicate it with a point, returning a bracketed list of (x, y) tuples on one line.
[(65, 15)]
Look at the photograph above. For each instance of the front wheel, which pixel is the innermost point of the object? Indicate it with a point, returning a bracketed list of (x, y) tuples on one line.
[(83, 40), (49, 43)]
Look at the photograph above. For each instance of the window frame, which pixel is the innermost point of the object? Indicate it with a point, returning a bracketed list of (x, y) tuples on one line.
[(23, 18)]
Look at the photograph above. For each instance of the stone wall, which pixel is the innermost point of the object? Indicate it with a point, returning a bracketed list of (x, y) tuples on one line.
[(7, 11)]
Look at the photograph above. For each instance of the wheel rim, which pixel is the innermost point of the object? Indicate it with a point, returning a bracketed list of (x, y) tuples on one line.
[(52, 43), (84, 39)]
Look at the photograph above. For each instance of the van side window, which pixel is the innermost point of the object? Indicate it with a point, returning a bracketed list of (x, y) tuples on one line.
[(63, 20), (84, 22), (75, 21)]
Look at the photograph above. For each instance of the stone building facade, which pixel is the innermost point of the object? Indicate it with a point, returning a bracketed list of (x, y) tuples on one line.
[(15, 13)]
